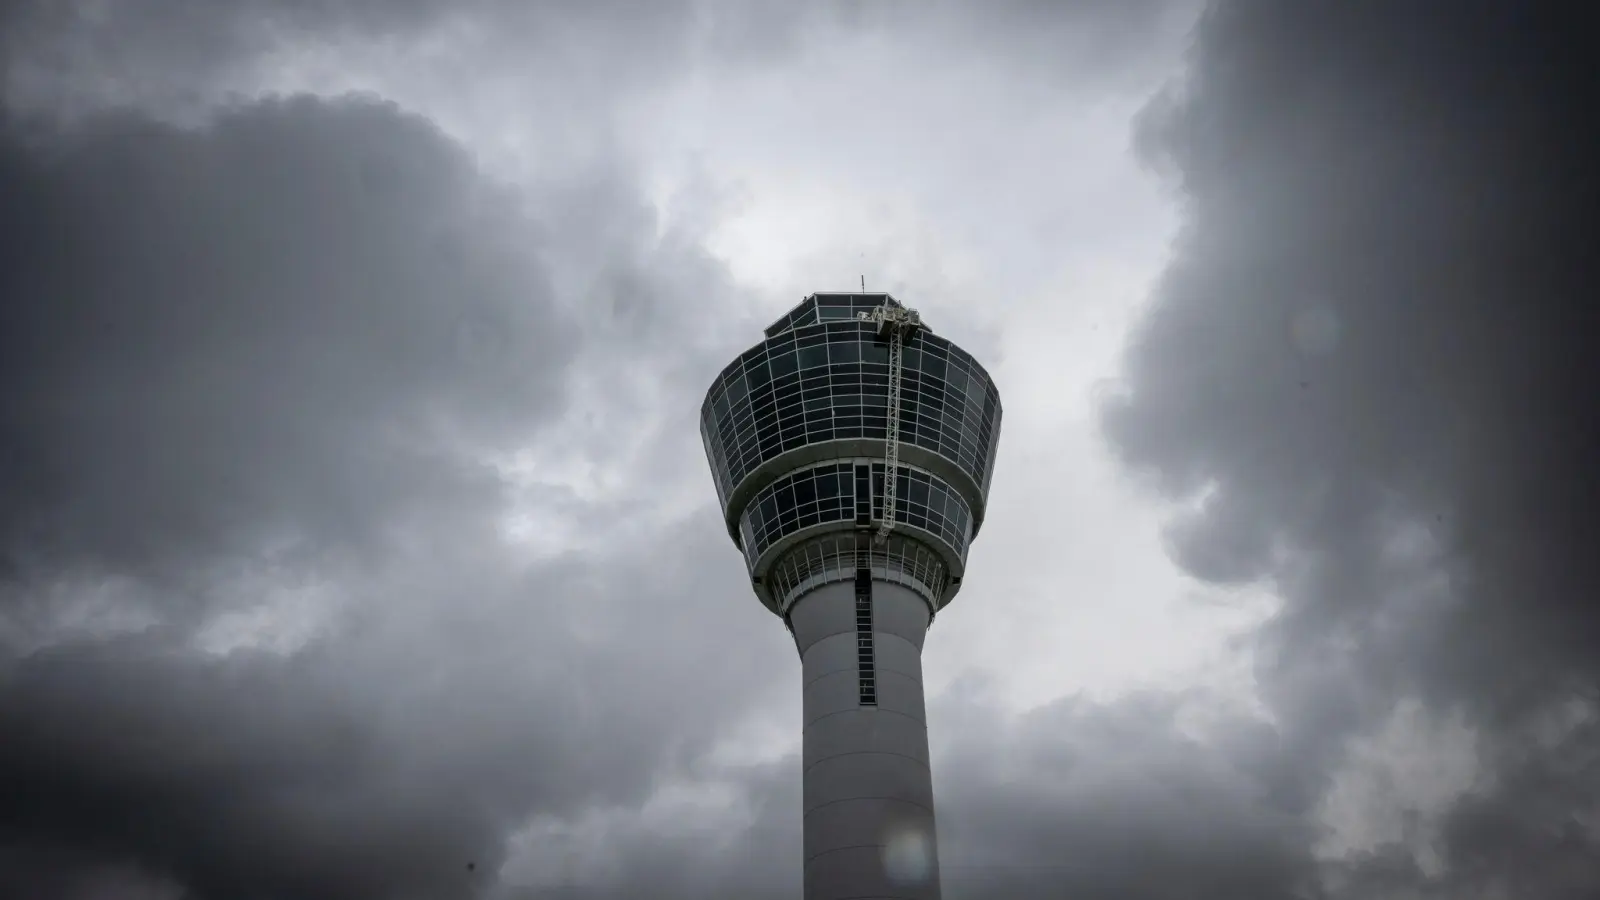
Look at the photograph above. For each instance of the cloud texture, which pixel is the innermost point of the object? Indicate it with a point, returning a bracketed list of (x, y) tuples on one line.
[(1368, 356)]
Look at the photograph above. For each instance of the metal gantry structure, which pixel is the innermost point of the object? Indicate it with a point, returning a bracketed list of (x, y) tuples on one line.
[(895, 324)]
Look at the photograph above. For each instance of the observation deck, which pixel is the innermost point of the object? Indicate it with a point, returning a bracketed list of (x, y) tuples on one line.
[(798, 433)]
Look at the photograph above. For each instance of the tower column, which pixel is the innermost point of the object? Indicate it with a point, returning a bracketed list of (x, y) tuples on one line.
[(869, 821), (852, 450)]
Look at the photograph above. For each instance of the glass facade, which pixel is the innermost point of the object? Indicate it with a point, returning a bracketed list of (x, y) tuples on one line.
[(835, 557), (829, 308), (830, 381), (828, 493), (794, 430)]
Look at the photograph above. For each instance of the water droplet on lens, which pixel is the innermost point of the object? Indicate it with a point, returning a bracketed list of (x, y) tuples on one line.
[(908, 857)]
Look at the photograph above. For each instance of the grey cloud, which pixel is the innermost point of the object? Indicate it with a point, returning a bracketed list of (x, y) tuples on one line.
[(1086, 799), (752, 851), (272, 353), (180, 55), (315, 411), (1091, 42), (274, 329), (383, 759), (1074, 799), (1372, 346), (193, 38)]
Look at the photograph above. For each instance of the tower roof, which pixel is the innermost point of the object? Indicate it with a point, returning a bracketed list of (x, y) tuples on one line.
[(829, 308)]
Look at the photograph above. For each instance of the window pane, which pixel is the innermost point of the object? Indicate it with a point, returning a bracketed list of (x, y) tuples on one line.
[(782, 364), (805, 490)]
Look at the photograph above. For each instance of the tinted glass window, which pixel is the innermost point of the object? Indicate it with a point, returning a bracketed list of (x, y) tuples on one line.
[(759, 408)]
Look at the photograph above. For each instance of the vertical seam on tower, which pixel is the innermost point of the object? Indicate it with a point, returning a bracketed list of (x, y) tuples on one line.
[(866, 663)]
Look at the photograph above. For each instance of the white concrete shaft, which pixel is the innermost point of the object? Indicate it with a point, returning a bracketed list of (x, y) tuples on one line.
[(869, 823)]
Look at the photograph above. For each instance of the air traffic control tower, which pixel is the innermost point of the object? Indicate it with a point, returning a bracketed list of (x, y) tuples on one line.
[(801, 431)]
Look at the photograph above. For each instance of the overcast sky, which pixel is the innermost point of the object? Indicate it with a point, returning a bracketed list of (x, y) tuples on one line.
[(356, 539)]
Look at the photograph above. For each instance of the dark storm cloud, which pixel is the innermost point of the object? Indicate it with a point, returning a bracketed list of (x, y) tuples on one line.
[(181, 52), (378, 762), (298, 327), (277, 327), (181, 55), (1076, 798), (270, 354), (758, 858), (1110, 800), (1374, 350)]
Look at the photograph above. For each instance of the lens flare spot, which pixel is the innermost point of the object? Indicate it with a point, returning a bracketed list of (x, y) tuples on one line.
[(908, 857)]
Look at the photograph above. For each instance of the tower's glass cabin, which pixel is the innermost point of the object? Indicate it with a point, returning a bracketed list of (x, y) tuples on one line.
[(796, 433)]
